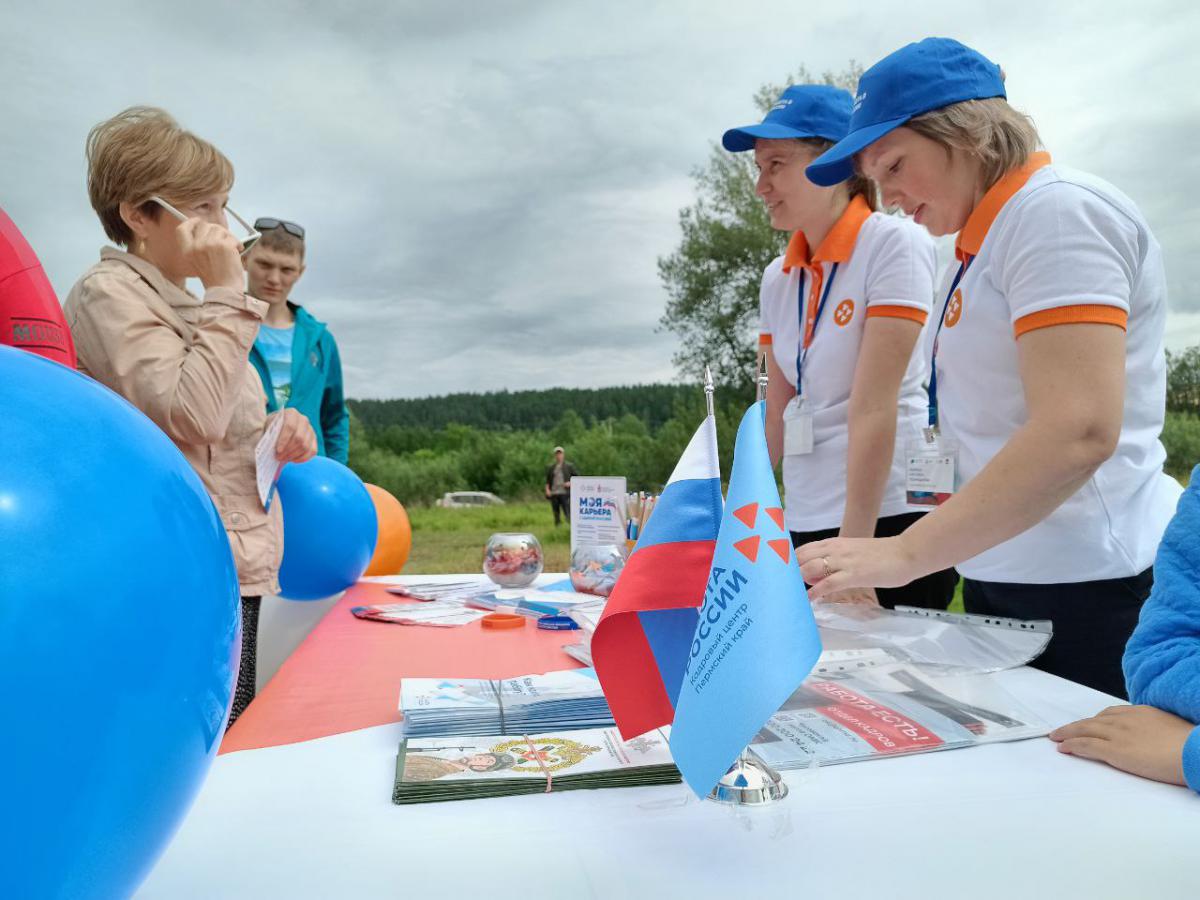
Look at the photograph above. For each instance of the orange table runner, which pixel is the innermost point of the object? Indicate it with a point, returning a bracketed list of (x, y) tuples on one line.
[(346, 674)]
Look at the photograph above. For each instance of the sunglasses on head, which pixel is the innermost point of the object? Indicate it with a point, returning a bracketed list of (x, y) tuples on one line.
[(291, 228)]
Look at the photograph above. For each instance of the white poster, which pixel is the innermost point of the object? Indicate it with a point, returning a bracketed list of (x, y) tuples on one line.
[(598, 512)]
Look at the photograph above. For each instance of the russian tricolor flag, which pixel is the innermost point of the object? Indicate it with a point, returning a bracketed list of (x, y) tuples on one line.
[(641, 644)]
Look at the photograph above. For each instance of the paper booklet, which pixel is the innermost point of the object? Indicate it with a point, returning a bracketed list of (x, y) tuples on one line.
[(890, 710), (436, 613), (432, 769), (568, 699), (581, 651)]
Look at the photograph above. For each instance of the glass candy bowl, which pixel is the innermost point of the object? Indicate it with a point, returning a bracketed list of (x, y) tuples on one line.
[(594, 568), (513, 560)]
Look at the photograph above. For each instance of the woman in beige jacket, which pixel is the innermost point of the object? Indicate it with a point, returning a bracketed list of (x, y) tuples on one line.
[(183, 360)]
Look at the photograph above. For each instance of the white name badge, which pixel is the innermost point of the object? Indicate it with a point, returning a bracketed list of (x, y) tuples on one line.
[(797, 428), (931, 470)]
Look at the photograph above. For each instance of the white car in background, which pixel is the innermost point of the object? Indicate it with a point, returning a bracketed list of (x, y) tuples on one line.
[(466, 499)]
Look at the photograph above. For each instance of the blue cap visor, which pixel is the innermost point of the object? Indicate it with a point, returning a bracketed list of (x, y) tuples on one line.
[(836, 164), (736, 140)]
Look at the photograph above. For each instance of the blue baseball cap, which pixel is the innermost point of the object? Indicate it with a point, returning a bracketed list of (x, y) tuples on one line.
[(927, 75), (802, 111)]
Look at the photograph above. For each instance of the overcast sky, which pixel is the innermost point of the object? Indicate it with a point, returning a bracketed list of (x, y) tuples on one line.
[(487, 185)]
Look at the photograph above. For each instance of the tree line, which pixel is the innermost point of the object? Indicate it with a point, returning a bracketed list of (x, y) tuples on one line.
[(418, 463), (539, 410)]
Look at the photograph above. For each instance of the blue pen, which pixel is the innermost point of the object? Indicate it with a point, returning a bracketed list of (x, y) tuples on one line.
[(544, 609)]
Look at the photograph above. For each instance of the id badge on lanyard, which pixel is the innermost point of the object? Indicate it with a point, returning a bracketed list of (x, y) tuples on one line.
[(931, 469), (931, 464), (797, 415), (797, 428)]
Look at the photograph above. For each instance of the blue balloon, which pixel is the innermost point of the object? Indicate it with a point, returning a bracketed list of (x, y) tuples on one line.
[(119, 634), (329, 529)]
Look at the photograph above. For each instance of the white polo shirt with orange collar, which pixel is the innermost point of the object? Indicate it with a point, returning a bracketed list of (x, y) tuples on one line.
[(1047, 246), (885, 267)]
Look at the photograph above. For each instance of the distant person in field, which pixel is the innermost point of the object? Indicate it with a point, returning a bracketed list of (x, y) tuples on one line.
[(558, 485), (295, 355)]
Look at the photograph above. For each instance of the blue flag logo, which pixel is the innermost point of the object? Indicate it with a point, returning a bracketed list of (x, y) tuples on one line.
[(756, 639)]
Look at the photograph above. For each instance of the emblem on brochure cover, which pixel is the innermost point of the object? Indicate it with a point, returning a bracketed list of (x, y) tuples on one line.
[(643, 744), (546, 754)]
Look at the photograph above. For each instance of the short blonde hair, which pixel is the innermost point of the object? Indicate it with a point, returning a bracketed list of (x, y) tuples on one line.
[(998, 135), (857, 184), (141, 152)]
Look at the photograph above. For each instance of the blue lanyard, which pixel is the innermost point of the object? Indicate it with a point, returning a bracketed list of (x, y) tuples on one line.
[(802, 352), (933, 403)]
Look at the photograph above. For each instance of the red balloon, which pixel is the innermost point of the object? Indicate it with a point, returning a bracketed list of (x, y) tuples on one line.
[(30, 315)]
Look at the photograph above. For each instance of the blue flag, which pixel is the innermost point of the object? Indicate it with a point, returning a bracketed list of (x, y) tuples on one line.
[(756, 639)]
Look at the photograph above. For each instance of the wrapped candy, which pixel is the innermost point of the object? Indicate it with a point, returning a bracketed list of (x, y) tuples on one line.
[(595, 568)]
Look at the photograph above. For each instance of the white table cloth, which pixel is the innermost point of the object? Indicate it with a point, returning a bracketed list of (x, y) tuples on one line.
[(315, 820)]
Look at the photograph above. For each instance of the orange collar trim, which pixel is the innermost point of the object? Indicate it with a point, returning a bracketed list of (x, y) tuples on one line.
[(970, 239), (838, 244)]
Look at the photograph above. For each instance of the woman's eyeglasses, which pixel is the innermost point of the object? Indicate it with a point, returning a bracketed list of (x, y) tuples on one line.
[(291, 228), (252, 234)]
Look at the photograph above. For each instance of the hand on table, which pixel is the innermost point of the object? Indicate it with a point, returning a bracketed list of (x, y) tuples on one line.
[(297, 441), (1141, 740), (835, 565)]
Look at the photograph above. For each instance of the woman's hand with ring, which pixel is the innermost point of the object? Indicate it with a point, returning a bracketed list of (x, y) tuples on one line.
[(838, 564)]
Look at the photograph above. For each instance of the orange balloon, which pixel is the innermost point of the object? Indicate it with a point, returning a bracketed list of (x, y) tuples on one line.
[(395, 534)]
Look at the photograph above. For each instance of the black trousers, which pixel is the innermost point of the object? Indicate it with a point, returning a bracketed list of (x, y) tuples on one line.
[(248, 667), (1092, 622), (934, 591), (561, 502)]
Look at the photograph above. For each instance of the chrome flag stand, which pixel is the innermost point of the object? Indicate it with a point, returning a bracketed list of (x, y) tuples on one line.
[(749, 782)]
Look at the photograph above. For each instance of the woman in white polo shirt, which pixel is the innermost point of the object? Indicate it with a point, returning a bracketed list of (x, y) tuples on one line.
[(1048, 386), (840, 313)]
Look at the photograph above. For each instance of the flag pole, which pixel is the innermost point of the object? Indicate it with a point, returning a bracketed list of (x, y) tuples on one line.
[(709, 389), (749, 781)]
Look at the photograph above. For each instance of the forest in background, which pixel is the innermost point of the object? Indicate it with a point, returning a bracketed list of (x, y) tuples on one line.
[(502, 442)]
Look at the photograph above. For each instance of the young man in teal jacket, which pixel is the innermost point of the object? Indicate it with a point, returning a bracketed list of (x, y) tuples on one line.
[(295, 355)]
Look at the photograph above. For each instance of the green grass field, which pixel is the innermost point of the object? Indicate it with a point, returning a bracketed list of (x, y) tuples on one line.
[(449, 541), (452, 540)]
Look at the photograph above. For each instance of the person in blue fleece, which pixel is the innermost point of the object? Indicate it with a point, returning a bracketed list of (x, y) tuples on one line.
[(295, 355), (1159, 738)]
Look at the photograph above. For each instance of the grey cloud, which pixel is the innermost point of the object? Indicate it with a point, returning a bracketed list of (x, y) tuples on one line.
[(487, 185)]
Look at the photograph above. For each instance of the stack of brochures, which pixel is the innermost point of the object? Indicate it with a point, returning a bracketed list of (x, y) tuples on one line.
[(528, 704), (886, 711), (443, 768)]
